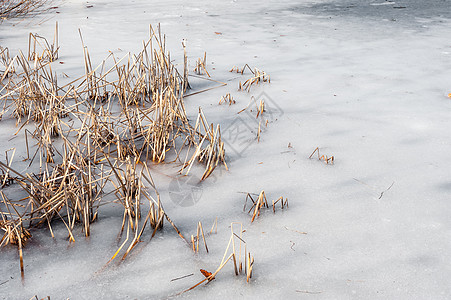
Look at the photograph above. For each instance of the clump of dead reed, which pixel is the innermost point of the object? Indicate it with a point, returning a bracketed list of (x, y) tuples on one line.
[(123, 113), (227, 99), (201, 68), (237, 252), (31, 89), (259, 76), (195, 239), (130, 192), (326, 159), (262, 202), (14, 231), (40, 49), (260, 108), (213, 153)]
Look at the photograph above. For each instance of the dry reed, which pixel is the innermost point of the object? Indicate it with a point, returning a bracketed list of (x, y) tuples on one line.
[(262, 202), (201, 66), (236, 251), (326, 159), (227, 99), (258, 76), (123, 114)]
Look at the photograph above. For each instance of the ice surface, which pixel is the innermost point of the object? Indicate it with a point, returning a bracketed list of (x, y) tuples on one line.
[(366, 83)]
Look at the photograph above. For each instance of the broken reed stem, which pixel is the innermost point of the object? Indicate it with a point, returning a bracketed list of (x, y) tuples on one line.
[(195, 240), (201, 66), (259, 131), (327, 160), (214, 226)]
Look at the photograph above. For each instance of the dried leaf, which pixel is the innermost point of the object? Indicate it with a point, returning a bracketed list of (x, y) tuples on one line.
[(205, 273)]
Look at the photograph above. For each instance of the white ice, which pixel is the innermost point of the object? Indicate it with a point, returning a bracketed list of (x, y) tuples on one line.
[(366, 83)]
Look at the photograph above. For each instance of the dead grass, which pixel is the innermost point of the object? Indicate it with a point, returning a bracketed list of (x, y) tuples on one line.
[(123, 114), (92, 140)]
